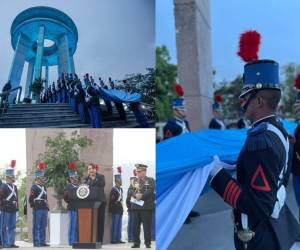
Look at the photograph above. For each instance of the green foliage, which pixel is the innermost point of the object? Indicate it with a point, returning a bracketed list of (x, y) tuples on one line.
[(165, 79), (60, 151), (141, 83), (289, 72), (37, 86), (230, 92)]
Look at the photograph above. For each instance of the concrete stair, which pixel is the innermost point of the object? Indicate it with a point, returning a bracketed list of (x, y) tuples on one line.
[(57, 116)]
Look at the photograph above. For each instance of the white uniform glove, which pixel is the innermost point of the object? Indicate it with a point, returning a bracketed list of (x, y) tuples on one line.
[(218, 165)]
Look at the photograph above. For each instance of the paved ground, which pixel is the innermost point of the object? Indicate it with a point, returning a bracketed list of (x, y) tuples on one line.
[(213, 229), (26, 245)]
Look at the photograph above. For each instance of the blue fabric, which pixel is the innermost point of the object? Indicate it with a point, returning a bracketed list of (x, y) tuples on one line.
[(116, 227), (1, 228), (129, 226), (73, 227), (39, 225), (81, 111), (9, 226), (296, 184), (118, 95), (183, 165)]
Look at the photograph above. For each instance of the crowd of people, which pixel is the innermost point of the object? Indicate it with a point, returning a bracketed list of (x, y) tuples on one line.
[(139, 201), (84, 99)]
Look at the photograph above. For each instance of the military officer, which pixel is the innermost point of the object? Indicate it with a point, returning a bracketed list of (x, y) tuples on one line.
[(257, 195), (39, 204), (142, 204), (71, 207), (9, 208), (116, 209)]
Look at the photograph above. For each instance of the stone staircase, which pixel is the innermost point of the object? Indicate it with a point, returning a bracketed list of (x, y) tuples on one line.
[(57, 116)]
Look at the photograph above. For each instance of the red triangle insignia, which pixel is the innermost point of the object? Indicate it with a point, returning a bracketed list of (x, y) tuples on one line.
[(259, 173), (168, 133)]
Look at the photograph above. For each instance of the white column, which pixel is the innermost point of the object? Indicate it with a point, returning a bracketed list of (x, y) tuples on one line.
[(39, 53), (63, 55), (29, 78), (17, 66), (46, 76)]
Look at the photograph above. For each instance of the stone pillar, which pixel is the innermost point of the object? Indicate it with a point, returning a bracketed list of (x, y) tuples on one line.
[(17, 66), (46, 76), (29, 78), (39, 53), (63, 55), (72, 66), (101, 152), (193, 41)]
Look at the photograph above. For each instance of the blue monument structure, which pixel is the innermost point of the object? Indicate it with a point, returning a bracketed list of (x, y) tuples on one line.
[(29, 31)]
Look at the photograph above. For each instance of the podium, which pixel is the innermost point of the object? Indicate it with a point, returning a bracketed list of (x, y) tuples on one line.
[(87, 219)]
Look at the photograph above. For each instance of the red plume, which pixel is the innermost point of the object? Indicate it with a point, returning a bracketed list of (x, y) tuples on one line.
[(97, 167), (41, 166), (218, 98), (119, 169), (249, 45), (134, 172), (72, 165), (297, 82), (13, 163), (179, 90)]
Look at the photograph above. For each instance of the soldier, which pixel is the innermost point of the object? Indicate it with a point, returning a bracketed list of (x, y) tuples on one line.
[(72, 208), (178, 124), (9, 208), (261, 218), (216, 122), (129, 211), (142, 204), (93, 105), (39, 204), (116, 209)]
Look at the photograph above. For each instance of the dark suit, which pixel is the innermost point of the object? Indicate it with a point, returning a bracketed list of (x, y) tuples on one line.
[(99, 183)]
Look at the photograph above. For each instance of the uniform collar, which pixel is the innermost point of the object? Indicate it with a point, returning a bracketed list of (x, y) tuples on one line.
[(264, 119)]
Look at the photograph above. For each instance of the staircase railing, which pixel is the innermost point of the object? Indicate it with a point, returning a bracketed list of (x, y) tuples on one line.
[(4, 99)]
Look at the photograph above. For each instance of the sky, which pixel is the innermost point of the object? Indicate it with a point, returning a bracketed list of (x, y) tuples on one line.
[(276, 20), (115, 37)]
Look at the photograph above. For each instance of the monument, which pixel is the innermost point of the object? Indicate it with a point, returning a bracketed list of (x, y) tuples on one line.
[(29, 31), (193, 40)]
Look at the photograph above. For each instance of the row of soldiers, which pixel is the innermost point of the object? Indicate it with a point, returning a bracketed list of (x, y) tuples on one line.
[(140, 206), (84, 99), (140, 202)]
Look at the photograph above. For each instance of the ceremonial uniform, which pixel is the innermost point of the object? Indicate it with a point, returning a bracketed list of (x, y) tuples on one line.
[(261, 218), (39, 204), (142, 211), (116, 210), (129, 211), (9, 208), (175, 127), (93, 106), (79, 96), (216, 124), (72, 210)]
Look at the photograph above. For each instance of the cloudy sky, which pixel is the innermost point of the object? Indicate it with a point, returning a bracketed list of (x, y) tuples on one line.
[(276, 20), (116, 37)]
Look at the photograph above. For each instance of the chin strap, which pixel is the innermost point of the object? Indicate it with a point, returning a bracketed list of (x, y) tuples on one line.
[(252, 96)]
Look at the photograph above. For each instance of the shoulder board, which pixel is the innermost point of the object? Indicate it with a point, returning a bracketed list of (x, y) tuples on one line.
[(258, 139)]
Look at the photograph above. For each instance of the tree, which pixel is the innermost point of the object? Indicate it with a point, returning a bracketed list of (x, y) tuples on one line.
[(289, 72), (60, 151), (230, 101), (165, 79)]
